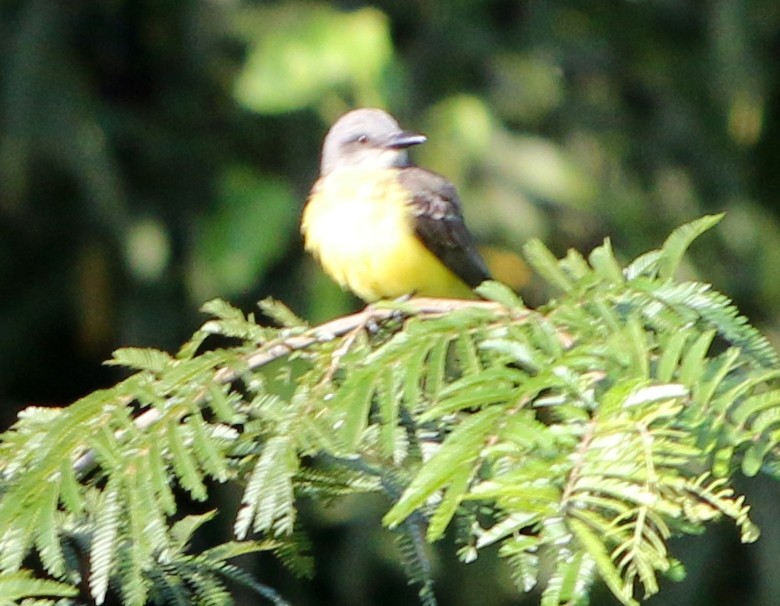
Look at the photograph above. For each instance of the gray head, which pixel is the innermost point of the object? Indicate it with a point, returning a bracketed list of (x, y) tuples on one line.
[(366, 138)]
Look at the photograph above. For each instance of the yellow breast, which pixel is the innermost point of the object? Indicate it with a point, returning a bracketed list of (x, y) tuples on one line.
[(358, 225)]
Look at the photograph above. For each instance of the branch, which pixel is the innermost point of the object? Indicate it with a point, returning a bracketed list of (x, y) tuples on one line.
[(424, 307)]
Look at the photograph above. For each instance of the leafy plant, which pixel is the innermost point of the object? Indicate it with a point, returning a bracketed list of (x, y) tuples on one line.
[(577, 437)]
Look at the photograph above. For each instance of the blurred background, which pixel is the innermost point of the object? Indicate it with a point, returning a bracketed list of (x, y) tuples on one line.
[(154, 155)]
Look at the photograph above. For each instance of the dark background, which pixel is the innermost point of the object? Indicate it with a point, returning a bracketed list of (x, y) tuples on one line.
[(154, 155)]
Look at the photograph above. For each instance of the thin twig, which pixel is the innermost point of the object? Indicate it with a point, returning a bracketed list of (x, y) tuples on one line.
[(274, 350)]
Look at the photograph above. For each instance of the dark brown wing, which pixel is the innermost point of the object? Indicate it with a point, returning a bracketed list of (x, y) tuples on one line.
[(438, 223)]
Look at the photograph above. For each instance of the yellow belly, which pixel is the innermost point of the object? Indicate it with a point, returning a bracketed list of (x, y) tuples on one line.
[(357, 224)]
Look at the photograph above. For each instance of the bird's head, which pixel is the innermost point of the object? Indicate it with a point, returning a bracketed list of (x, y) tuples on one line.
[(366, 138)]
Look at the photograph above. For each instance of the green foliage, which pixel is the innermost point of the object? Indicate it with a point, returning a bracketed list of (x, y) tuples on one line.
[(298, 58), (229, 253), (578, 438)]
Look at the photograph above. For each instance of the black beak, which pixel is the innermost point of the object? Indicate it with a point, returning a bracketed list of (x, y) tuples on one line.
[(405, 139)]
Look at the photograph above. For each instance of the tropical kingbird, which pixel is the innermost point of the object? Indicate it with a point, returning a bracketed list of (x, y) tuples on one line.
[(381, 226)]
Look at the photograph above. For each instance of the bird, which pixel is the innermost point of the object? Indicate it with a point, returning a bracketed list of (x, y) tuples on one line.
[(381, 226)]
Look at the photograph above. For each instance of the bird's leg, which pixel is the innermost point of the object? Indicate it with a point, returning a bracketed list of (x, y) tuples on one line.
[(375, 315)]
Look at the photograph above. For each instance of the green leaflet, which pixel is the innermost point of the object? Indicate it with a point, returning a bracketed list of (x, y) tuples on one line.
[(452, 462)]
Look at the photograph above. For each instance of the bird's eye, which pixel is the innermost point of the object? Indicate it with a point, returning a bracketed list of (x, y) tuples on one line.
[(362, 139)]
